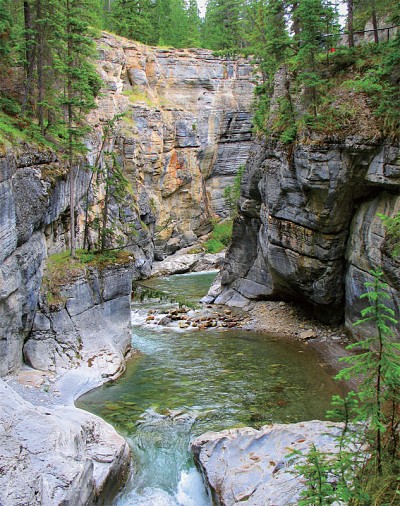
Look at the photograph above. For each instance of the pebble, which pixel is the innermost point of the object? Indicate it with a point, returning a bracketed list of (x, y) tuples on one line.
[(307, 334)]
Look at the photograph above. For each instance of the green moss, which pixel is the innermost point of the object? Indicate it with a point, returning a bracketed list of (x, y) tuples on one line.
[(136, 95), (214, 246), (61, 270)]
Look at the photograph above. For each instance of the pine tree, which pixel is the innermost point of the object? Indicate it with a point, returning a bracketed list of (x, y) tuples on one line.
[(193, 25), (379, 368), (315, 19), (81, 84), (5, 33), (134, 19), (172, 22), (223, 25)]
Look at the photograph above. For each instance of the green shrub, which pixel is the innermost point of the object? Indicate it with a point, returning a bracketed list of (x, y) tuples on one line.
[(220, 237), (392, 236), (232, 193), (214, 246), (9, 105), (223, 232)]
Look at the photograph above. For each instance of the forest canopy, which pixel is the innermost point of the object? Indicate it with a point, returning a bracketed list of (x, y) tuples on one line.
[(47, 53)]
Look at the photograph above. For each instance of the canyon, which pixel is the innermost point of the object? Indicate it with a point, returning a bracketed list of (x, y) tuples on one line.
[(307, 230), (184, 130)]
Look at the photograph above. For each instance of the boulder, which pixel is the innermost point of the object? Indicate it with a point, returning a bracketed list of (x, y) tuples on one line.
[(253, 467), (182, 262)]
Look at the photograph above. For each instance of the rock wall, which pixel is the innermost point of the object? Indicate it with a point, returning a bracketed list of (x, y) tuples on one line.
[(185, 131), (307, 228), (89, 328), (61, 455), (29, 204), (34, 222)]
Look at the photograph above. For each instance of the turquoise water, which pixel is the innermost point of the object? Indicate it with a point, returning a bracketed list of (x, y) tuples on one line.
[(185, 383)]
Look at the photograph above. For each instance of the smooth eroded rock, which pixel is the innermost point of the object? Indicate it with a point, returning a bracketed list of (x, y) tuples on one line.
[(57, 456), (253, 467)]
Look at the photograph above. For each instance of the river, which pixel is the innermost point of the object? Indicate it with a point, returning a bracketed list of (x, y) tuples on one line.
[(186, 382)]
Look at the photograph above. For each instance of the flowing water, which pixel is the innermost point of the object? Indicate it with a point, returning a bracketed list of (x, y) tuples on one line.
[(186, 382)]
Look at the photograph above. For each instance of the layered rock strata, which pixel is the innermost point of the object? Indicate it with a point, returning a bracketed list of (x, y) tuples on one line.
[(254, 467), (308, 228), (88, 327), (34, 222), (186, 130), (33, 200), (59, 455)]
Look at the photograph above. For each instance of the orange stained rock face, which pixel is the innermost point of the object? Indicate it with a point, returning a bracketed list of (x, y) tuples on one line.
[(174, 166)]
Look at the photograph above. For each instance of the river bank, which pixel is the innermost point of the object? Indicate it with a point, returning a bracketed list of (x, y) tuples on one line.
[(52, 392)]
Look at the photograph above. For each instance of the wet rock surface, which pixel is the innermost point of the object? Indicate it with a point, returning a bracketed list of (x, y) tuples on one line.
[(210, 317), (253, 467)]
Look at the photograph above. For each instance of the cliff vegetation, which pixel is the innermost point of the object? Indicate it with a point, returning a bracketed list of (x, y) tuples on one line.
[(61, 269)]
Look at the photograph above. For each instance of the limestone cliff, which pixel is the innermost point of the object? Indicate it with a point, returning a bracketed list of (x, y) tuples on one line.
[(184, 132), (186, 129), (307, 228), (34, 222)]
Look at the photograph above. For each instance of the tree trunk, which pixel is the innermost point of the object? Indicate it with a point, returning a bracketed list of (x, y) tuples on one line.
[(105, 211), (70, 143), (295, 20), (375, 23), (40, 63), (29, 55), (350, 15)]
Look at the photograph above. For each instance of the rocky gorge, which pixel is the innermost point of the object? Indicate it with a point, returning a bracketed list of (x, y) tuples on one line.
[(184, 132), (308, 228), (307, 231)]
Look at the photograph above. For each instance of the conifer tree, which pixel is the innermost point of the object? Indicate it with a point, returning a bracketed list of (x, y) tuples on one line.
[(378, 364), (193, 24), (81, 84), (134, 19), (223, 25), (269, 37), (315, 18), (5, 32)]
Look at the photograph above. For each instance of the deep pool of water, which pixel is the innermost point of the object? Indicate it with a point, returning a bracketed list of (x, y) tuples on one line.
[(185, 383)]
